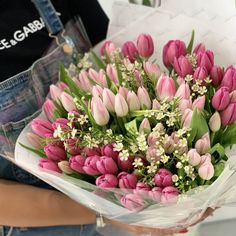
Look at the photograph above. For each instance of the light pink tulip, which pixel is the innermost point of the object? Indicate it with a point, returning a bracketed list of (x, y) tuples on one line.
[(145, 126), (183, 91), (199, 103), (169, 195), (155, 194), (152, 70), (62, 86), (132, 202), (64, 166), (108, 98), (228, 116), (54, 152), (221, 99), (41, 127), (169, 145), (90, 165), (155, 105), (67, 102), (130, 51), (84, 82), (49, 109), (112, 73), (77, 163), (205, 159), (102, 81), (123, 92), (187, 117), (97, 91), (203, 144), (108, 47), (183, 66), (206, 171), (93, 74), (215, 122), (144, 98), (138, 77), (55, 92), (107, 181), (133, 101), (35, 140), (145, 45), (121, 106), (151, 154), (152, 139), (48, 164), (194, 157), (106, 165), (185, 104), (163, 178)]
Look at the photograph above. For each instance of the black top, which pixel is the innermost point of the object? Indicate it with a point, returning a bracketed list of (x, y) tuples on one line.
[(24, 38)]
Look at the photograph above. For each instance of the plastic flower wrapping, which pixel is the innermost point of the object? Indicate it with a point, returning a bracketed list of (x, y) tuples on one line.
[(136, 143)]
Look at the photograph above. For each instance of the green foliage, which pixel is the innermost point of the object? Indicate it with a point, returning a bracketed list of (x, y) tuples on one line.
[(190, 45), (40, 153), (229, 136), (97, 60)]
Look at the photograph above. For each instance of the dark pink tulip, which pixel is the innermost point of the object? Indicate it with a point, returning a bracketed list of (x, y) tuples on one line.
[(155, 194), (199, 48), (228, 116), (200, 74), (183, 66), (107, 150), (163, 178), (126, 165), (106, 165), (130, 51), (77, 163), (62, 122), (142, 189), (169, 195), (48, 164), (54, 152), (90, 165), (132, 202), (107, 181), (229, 78), (221, 99), (205, 59), (92, 151), (127, 181), (174, 48), (73, 146), (41, 127), (145, 45), (216, 75)]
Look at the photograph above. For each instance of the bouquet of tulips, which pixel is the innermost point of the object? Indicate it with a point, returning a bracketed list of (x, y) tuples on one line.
[(148, 141)]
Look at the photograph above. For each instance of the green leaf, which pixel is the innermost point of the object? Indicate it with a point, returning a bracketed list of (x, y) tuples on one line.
[(131, 127), (190, 45), (40, 153), (229, 136), (218, 168), (113, 87), (60, 110), (218, 152), (119, 74), (97, 60), (147, 3)]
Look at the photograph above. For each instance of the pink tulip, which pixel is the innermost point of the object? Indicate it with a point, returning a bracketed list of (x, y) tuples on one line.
[(228, 116), (126, 165), (64, 166), (200, 74), (92, 151), (107, 47), (67, 102), (93, 74), (41, 127), (229, 79), (169, 145), (183, 91), (232, 96), (216, 75), (49, 109), (130, 51), (194, 158), (145, 45), (106, 165), (107, 150), (221, 99), (62, 86), (99, 111), (205, 159), (144, 98), (199, 48), (205, 59), (155, 194), (112, 73), (163, 178), (73, 146), (185, 104), (151, 154), (169, 195), (187, 117), (77, 163), (123, 92), (54, 152), (102, 81), (142, 189), (153, 71), (35, 140), (138, 77), (127, 181), (206, 171), (97, 91), (55, 92), (165, 87), (199, 103), (145, 126), (155, 105), (183, 66), (121, 106), (133, 101), (203, 144), (90, 165), (215, 122), (152, 139), (108, 98), (62, 122), (48, 164), (174, 48), (107, 181), (132, 202)]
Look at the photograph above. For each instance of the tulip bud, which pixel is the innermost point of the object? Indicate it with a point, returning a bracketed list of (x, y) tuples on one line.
[(152, 154), (65, 167), (165, 87), (216, 75), (142, 189), (48, 164), (123, 92), (159, 128), (102, 81), (133, 101), (194, 158), (97, 91), (54, 152), (174, 48), (130, 51), (200, 74), (49, 109), (153, 71), (55, 92), (199, 48), (145, 45), (187, 118), (205, 159), (62, 122), (206, 171), (106, 165), (183, 66), (90, 165), (107, 47), (205, 59), (215, 122), (67, 102), (199, 103), (169, 145), (228, 116), (203, 144), (144, 98), (112, 73), (185, 104), (84, 82), (72, 146), (155, 105), (127, 181), (155, 194), (163, 178), (107, 181), (108, 99), (132, 202), (232, 96), (108, 150), (221, 99), (41, 127), (99, 111), (169, 195), (183, 91), (121, 107), (126, 165), (77, 163), (145, 126), (229, 79), (35, 140), (93, 74), (152, 139), (62, 86), (92, 151), (138, 77)]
